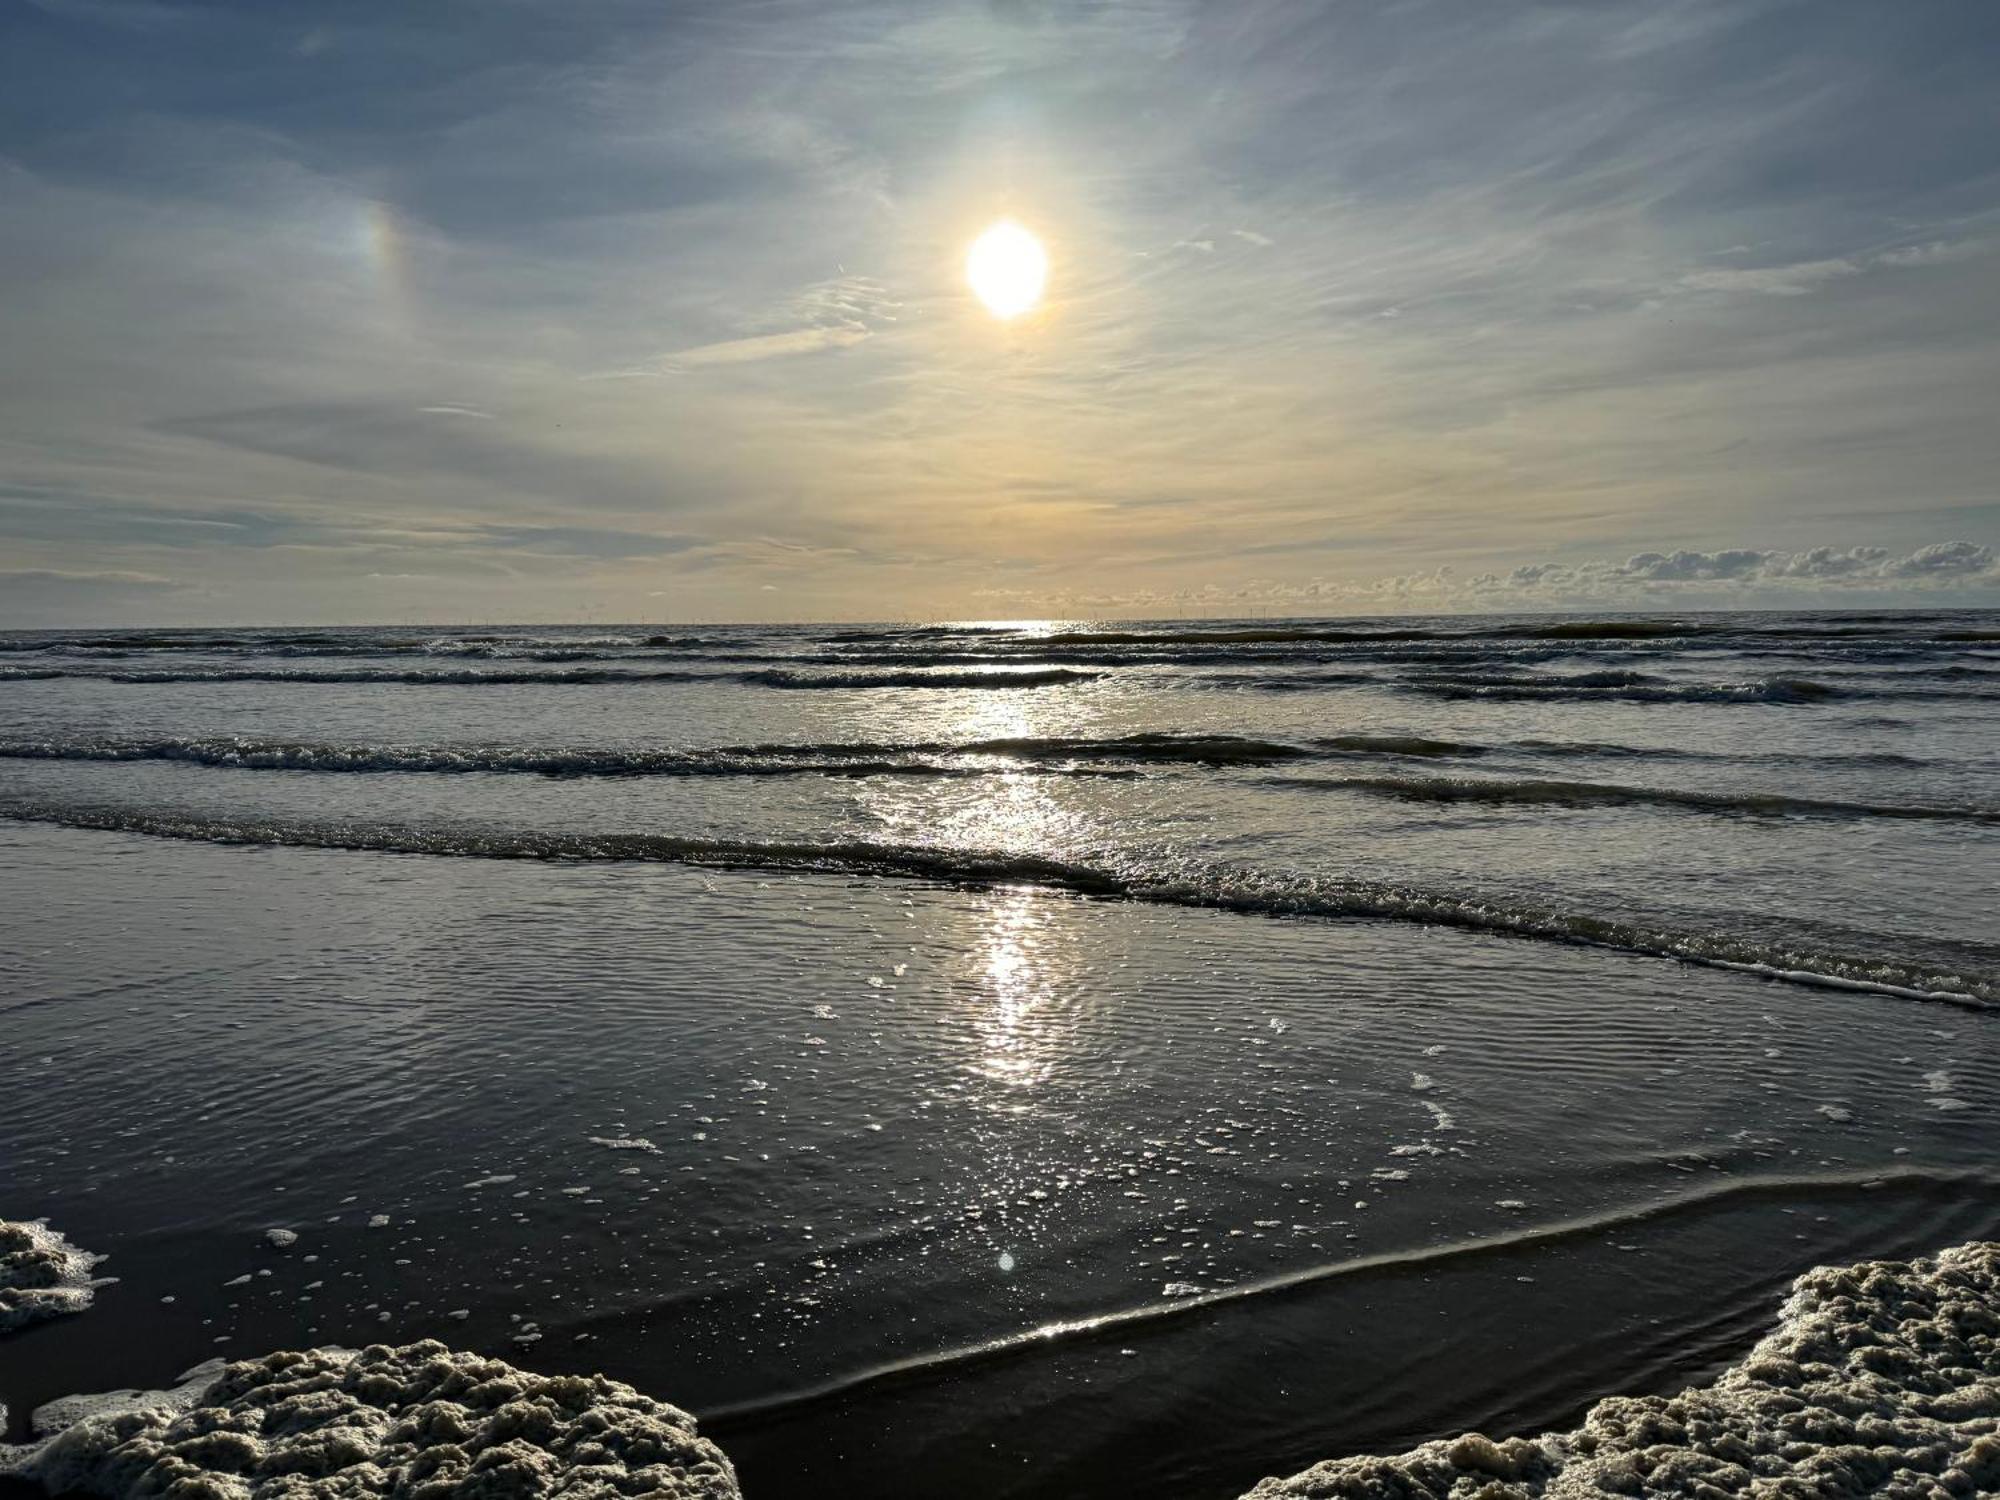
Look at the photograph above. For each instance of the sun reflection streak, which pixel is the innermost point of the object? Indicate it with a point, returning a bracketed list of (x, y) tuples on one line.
[(1020, 1023), (1020, 1009)]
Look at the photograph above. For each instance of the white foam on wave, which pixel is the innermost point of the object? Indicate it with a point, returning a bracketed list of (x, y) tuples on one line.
[(1880, 1379), (422, 1422), (1329, 895), (42, 1275)]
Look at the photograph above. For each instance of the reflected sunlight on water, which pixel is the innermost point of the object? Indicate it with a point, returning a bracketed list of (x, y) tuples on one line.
[(1022, 1020)]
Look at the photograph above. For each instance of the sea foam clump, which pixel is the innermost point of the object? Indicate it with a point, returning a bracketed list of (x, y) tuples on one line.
[(421, 1422), (41, 1275), (1881, 1379)]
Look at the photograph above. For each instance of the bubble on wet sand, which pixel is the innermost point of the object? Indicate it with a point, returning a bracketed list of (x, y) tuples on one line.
[(625, 1143)]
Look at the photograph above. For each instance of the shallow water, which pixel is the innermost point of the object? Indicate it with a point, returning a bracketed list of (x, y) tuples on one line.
[(1154, 1077)]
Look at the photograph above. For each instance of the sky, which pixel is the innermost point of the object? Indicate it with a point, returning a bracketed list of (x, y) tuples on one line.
[(655, 309)]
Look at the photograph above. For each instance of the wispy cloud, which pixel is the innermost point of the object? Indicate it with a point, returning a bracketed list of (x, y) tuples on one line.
[(58, 578), (1801, 277), (836, 313), (1778, 281), (764, 346), (1338, 295)]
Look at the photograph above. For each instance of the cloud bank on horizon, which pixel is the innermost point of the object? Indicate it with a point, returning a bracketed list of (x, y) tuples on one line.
[(526, 310)]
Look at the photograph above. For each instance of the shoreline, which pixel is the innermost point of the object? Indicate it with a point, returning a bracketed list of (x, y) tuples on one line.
[(1876, 1377)]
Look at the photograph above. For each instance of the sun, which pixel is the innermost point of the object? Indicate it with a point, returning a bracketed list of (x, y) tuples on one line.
[(1007, 269)]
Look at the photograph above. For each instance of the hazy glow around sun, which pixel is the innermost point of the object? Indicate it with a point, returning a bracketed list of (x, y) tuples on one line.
[(1007, 269)]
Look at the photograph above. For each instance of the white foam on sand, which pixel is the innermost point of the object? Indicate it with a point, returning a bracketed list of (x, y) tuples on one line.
[(421, 1422), (42, 1275), (1880, 1379), (67, 1411)]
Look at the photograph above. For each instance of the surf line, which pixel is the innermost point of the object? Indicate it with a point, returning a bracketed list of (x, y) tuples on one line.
[(1126, 1321), (1216, 888)]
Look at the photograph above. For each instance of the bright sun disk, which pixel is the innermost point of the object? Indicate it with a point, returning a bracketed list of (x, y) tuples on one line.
[(1007, 268)]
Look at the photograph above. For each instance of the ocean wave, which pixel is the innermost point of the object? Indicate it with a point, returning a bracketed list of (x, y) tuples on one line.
[(1553, 631), (1291, 682), (888, 757), (1399, 744), (1599, 749), (414, 676), (1187, 884), (775, 677), (1860, 633), (1419, 746), (1865, 659), (1769, 1186), (1898, 628), (919, 633), (1779, 690), (994, 677), (1603, 630), (1579, 630), (1254, 637), (1581, 687), (1507, 792), (611, 649), (236, 752), (1201, 749), (313, 643), (134, 642), (1611, 678), (933, 757)]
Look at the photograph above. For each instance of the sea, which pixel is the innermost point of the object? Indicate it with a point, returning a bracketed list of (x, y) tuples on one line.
[(1005, 1059)]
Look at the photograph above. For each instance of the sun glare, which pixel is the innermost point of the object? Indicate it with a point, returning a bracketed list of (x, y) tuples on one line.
[(1007, 269)]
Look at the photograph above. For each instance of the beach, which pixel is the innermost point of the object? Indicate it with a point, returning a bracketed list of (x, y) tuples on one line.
[(1084, 1059)]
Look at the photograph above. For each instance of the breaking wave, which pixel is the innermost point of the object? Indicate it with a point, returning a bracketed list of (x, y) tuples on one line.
[(995, 677), (1632, 687), (1398, 744), (1188, 884), (1234, 637), (238, 752), (1452, 789), (418, 676), (1553, 631), (351, 641), (917, 757), (1602, 749), (1842, 1282)]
